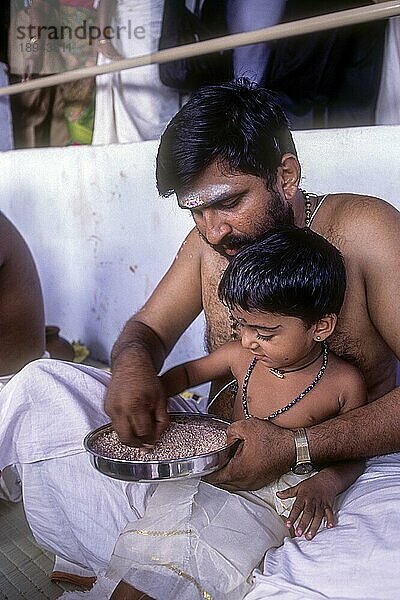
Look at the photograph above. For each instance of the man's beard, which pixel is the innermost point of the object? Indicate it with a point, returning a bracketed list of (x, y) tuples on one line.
[(278, 213)]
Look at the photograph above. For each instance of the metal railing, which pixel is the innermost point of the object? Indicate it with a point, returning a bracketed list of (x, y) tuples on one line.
[(354, 16)]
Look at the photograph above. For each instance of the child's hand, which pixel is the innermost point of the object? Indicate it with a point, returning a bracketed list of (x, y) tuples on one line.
[(314, 501)]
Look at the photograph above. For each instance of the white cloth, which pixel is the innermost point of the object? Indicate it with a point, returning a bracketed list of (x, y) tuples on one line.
[(10, 484), (53, 405), (185, 546), (133, 105), (77, 513), (189, 544), (353, 561), (74, 511)]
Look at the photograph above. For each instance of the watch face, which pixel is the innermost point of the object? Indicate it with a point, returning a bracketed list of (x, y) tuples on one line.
[(303, 468)]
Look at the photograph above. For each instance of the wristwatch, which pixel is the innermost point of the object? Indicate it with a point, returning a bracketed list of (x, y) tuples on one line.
[(303, 463)]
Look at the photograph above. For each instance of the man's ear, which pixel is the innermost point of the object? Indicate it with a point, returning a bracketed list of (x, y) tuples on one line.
[(289, 174), (324, 327)]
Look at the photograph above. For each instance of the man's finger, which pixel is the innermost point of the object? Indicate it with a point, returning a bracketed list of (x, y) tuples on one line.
[(223, 475), (162, 419), (231, 473), (228, 473), (125, 433), (233, 433), (142, 423)]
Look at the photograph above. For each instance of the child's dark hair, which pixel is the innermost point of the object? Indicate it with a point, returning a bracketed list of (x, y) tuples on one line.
[(289, 271)]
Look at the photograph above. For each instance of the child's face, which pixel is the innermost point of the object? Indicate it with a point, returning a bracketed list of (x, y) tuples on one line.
[(276, 340)]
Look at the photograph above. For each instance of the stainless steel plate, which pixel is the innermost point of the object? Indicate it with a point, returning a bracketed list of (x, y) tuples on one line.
[(147, 471)]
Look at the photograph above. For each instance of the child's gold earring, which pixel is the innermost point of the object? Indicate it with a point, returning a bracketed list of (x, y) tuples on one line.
[(318, 337)]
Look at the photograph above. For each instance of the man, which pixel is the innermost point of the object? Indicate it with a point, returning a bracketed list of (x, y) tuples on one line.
[(230, 158), (22, 311), (21, 320), (221, 173)]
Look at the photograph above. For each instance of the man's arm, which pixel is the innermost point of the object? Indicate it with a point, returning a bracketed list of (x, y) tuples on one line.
[(373, 429), (135, 400), (105, 13), (268, 451)]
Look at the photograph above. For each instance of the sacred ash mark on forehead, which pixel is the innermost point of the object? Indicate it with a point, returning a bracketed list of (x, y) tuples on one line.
[(207, 195)]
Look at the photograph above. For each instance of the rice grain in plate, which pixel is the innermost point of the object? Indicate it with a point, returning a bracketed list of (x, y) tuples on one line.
[(193, 445)]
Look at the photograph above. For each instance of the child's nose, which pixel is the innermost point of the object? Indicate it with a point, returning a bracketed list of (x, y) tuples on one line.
[(249, 340)]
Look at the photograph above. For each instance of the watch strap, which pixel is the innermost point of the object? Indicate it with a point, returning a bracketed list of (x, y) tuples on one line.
[(302, 448)]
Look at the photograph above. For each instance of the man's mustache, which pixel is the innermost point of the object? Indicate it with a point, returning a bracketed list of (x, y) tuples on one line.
[(229, 242)]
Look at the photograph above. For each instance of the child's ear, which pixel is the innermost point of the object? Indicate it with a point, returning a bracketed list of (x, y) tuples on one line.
[(324, 327)]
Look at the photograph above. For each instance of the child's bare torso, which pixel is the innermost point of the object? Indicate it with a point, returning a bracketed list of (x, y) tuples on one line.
[(266, 393)]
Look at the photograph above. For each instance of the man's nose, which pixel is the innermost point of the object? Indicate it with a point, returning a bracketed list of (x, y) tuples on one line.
[(215, 228), (248, 338)]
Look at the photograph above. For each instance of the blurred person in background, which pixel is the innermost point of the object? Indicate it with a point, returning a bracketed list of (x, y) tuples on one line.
[(63, 114), (6, 137), (21, 322), (131, 105)]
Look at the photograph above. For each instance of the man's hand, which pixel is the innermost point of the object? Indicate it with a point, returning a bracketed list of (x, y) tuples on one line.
[(266, 452), (136, 402), (108, 50), (33, 64), (314, 502)]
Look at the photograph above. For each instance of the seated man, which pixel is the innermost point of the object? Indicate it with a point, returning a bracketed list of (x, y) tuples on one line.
[(21, 319), (229, 157), (22, 311), (283, 348)]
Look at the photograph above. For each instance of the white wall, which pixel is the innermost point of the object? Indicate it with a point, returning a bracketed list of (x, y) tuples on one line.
[(102, 237)]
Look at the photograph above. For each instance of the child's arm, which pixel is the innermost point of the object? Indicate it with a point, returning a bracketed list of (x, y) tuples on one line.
[(315, 496), (215, 365)]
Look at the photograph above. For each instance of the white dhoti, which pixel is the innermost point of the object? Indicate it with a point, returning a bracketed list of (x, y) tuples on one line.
[(74, 511), (79, 514), (10, 484), (133, 105), (353, 561)]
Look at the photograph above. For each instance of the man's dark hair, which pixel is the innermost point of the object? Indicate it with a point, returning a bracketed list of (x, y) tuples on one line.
[(289, 271), (240, 125)]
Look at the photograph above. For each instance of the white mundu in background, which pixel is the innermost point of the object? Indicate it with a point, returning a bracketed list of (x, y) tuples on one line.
[(133, 105)]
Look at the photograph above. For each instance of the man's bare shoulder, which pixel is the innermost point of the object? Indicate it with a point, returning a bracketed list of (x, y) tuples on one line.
[(235, 350), (362, 219), (9, 238), (194, 247), (191, 246), (177, 299), (350, 380)]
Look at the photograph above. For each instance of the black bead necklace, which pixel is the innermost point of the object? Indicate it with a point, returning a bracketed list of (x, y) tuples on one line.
[(308, 389)]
